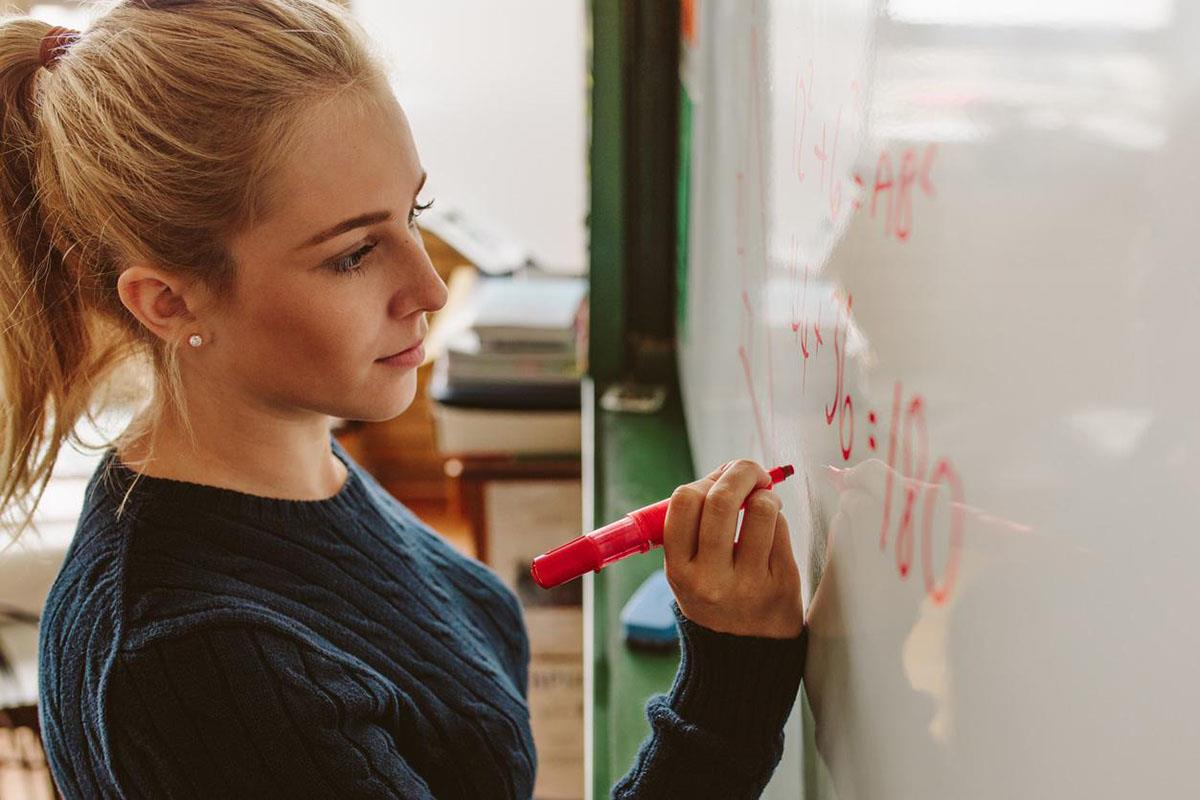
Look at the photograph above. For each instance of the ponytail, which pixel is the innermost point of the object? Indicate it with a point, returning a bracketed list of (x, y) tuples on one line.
[(155, 136), (45, 338)]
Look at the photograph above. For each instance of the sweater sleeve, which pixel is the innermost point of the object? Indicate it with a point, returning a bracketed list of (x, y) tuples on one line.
[(719, 732), (245, 711)]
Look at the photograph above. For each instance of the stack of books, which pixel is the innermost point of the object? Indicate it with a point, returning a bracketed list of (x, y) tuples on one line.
[(507, 379)]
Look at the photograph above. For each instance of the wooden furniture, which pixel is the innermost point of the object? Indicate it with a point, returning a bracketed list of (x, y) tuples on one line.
[(518, 508), (23, 771), (471, 475), (24, 774)]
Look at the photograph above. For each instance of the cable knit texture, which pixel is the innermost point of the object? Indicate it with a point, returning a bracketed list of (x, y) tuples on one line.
[(208, 643), (718, 734)]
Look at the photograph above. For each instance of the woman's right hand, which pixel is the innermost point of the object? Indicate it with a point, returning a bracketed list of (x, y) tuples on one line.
[(752, 589)]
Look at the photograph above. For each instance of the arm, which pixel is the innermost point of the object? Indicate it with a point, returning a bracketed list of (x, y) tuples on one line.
[(245, 711), (719, 732)]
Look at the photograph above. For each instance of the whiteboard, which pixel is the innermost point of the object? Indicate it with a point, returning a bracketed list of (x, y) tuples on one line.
[(941, 256)]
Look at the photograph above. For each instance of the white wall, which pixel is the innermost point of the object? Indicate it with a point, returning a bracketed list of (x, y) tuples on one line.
[(496, 93)]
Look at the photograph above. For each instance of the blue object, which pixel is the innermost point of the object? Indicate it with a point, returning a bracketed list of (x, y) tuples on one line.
[(647, 619)]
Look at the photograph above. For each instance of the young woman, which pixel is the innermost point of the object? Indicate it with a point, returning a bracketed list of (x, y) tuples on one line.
[(225, 191)]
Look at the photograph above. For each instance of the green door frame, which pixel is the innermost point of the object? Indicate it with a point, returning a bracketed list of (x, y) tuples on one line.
[(630, 459)]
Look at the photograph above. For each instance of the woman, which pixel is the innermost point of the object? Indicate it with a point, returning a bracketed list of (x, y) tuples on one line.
[(226, 191)]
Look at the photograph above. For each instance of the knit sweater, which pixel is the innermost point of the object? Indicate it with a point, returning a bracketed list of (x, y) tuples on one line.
[(207, 643)]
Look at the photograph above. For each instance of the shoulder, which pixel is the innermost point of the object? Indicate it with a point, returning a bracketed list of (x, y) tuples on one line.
[(82, 616), (82, 624)]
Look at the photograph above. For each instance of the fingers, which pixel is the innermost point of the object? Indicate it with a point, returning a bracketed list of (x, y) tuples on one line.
[(753, 591), (758, 532), (781, 561), (718, 519), (682, 524)]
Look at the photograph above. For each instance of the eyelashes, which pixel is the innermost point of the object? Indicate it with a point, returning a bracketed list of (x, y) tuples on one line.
[(416, 212), (349, 265)]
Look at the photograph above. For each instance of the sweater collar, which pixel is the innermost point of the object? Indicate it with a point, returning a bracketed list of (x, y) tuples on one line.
[(183, 496)]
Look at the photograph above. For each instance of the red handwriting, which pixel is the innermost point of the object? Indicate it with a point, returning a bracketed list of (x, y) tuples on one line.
[(835, 181), (842, 406), (917, 481), (892, 193), (911, 515), (940, 592), (912, 447), (892, 199), (898, 199), (802, 105)]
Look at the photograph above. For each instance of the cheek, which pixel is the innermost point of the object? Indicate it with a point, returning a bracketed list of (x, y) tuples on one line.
[(318, 352), (322, 334)]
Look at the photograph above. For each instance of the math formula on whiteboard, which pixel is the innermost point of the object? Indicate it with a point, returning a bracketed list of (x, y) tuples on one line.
[(887, 190)]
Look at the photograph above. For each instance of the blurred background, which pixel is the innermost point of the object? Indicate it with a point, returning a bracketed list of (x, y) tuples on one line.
[(497, 97)]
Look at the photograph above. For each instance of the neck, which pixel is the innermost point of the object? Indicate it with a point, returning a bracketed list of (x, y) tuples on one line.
[(256, 453)]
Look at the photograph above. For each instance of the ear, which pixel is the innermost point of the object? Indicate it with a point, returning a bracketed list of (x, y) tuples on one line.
[(161, 301)]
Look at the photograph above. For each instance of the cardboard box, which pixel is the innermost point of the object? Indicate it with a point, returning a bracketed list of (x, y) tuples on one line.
[(556, 715), (526, 518)]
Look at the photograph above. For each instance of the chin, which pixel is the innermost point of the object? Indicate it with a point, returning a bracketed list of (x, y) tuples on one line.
[(389, 403)]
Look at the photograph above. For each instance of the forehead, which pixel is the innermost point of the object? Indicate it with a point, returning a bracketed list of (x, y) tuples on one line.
[(349, 153)]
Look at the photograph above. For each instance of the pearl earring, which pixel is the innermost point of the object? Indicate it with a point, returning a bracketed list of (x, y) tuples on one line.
[(195, 340)]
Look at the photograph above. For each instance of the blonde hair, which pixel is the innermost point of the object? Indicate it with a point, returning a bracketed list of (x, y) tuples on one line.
[(155, 137)]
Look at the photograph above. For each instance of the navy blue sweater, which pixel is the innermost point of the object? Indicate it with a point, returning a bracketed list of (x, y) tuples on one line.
[(200, 642)]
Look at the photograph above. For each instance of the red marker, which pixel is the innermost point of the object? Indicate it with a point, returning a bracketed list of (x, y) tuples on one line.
[(636, 532)]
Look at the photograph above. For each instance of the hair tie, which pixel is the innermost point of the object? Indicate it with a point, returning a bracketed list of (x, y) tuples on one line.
[(54, 43)]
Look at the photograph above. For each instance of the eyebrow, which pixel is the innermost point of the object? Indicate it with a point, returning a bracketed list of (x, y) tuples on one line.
[(361, 221)]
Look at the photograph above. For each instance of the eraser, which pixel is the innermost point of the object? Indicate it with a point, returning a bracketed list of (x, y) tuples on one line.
[(647, 620)]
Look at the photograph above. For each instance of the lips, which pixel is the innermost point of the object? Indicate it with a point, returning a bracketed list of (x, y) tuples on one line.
[(417, 343)]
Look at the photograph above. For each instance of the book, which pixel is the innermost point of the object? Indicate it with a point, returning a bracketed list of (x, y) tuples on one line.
[(490, 431), (534, 312), (501, 393), (466, 359)]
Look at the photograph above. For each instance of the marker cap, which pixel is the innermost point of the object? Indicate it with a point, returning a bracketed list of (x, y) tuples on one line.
[(577, 557)]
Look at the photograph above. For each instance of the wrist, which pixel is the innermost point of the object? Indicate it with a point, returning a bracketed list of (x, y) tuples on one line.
[(741, 687)]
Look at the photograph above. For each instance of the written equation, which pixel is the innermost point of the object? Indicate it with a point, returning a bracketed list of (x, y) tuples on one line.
[(824, 148)]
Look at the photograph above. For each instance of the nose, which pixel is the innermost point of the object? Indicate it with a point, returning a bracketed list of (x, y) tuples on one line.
[(419, 287), (436, 290), (433, 292)]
